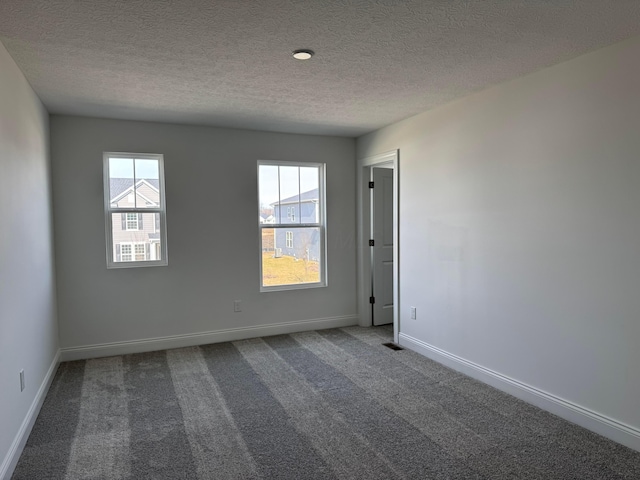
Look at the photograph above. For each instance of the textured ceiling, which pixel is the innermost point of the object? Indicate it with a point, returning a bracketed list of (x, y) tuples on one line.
[(228, 62)]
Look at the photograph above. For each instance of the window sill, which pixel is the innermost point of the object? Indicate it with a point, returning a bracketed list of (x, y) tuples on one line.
[(300, 286), (119, 265)]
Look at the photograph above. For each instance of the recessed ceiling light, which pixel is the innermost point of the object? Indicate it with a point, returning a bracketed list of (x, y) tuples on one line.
[(302, 54)]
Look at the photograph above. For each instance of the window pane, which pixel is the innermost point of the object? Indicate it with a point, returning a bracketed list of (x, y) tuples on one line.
[(289, 206), (288, 194), (309, 181), (147, 183), (268, 193), (134, 183), (291, 256), (310, 195), (268, 236), (138, 244), (121, 183)]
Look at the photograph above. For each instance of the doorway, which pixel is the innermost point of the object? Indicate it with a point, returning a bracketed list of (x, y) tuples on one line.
[(378, 251)]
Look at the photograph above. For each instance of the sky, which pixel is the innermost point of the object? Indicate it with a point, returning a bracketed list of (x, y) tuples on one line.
[(123, 168)]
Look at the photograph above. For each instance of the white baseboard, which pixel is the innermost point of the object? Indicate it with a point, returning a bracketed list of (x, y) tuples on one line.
[(11, 460), (203, 338), (601, 424)]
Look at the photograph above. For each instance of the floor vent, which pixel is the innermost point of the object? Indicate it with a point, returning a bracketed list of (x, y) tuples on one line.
[(393, 346)]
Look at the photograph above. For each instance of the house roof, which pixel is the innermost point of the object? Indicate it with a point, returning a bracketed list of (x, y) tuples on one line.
[(118, 186), (308, 196), (376, 62)]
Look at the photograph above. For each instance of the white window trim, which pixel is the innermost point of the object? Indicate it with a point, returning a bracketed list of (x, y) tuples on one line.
[(321, 224), (109, 210), (289, 239)]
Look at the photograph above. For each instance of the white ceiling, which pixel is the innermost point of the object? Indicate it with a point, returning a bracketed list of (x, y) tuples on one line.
[(228, 62)]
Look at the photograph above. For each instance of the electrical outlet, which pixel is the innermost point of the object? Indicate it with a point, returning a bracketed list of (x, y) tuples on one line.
[(413, 313), (21, 380), (236, 306)]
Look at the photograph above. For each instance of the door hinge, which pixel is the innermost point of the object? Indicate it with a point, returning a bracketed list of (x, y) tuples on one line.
[(370, 184), (372, 243), (372, 299)]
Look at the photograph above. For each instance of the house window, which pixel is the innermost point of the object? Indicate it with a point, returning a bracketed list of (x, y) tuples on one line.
[(132, 252), (139, 249), (135, 218), (131, 221), (126, 252), (292, 246)]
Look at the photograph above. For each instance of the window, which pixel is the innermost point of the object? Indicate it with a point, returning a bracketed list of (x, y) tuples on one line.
[(139, 249), (292, 245), (133, 252), (126, 252), (135, 218), (131, 221)]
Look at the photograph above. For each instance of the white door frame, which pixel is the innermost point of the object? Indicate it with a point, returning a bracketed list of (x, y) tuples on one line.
[(364, 229)]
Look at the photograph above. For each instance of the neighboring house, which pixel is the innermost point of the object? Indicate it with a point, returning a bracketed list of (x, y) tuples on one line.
[(303, 243), (136, 236)]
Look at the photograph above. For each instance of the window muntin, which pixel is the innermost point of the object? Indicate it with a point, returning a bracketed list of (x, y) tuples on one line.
[(292, 252), (134, 210)]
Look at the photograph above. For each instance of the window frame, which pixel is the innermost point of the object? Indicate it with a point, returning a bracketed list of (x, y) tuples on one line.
[(109, 211), (321, 225)]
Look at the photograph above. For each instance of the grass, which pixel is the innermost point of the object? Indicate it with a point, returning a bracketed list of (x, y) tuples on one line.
[(287, 270)]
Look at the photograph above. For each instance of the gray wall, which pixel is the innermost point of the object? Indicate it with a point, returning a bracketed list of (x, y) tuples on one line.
[(28, 329), (520, 229), (212, 216)]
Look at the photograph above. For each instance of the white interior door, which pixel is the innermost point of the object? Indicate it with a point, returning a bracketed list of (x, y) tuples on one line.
[(382, 255)]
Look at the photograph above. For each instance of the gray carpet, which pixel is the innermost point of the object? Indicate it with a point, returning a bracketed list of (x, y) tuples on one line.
[(332, 404)]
